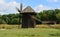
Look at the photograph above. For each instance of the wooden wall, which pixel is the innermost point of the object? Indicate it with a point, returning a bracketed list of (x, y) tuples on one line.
[(28, 21)]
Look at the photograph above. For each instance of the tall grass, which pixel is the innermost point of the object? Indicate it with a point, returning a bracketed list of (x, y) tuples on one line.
[(6, 26)]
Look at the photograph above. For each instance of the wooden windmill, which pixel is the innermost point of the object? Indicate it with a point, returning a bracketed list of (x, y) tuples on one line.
[(28, 17)]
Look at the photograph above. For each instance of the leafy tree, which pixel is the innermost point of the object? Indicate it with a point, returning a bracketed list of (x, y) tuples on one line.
[(58, 17)]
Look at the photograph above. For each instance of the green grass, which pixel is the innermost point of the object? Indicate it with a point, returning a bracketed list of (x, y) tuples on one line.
[(30, 32)]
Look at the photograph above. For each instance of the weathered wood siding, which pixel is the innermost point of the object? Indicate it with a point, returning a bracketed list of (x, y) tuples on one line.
[(28, 21)]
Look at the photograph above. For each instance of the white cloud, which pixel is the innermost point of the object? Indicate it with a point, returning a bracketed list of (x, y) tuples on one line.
[(41, 7), (52, 0), (1, 1), (6, 8)]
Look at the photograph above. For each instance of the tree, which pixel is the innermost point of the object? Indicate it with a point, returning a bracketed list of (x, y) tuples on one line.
[(2, 21), (58, 17), (51, 15)]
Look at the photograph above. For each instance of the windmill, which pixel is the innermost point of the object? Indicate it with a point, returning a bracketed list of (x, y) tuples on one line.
[(28, 17)]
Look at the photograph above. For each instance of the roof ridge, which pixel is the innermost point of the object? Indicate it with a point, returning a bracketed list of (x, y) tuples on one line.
[(28, 9)]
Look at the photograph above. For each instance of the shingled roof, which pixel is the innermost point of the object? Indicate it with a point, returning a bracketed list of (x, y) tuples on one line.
[(28, 9)]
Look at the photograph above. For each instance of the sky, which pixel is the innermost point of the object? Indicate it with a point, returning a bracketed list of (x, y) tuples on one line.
[(9, 6)]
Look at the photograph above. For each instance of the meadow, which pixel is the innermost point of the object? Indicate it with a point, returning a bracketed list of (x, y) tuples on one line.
[(39, 31)]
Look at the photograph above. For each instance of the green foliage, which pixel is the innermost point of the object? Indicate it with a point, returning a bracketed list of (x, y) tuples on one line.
[(53, 15), (10, 19), (2, 21), (58, 17)]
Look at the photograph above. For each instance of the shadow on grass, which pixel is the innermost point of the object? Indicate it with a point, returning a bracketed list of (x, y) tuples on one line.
[(55, 34)]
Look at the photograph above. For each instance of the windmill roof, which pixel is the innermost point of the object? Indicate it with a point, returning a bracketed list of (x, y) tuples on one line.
[(28, 9)]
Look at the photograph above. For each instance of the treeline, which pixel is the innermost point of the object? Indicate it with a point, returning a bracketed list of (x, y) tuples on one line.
[(49, 15), (45, 15), (10, 19)]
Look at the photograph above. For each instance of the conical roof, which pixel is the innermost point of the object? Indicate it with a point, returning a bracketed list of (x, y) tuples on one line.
[(28, 9)]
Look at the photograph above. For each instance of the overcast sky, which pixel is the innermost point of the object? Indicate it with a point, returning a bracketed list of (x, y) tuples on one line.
[(9, 6)]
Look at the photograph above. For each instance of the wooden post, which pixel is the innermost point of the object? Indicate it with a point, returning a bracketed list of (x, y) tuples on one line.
[(19, 21), (20, 11)]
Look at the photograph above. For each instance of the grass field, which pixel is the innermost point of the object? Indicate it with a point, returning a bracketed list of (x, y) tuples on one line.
[(30, 32)]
